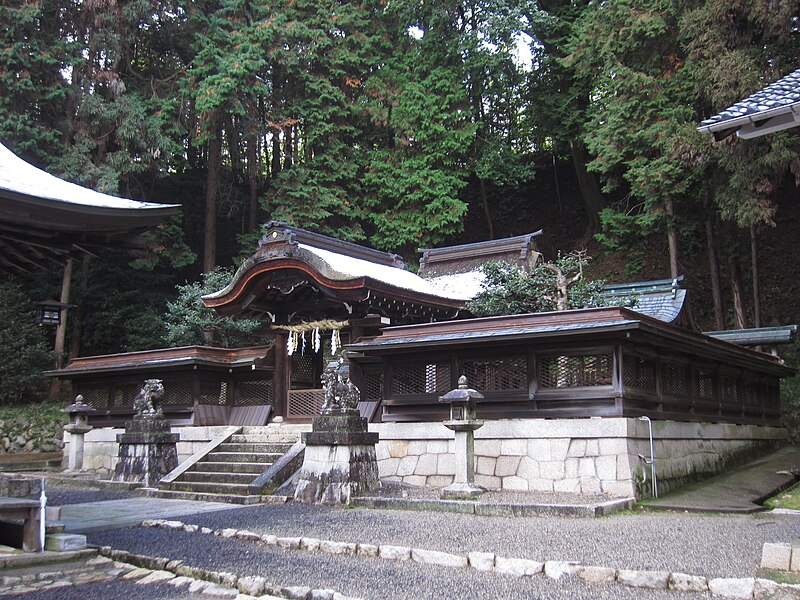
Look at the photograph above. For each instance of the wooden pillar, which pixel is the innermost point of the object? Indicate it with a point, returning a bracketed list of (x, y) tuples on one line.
[(280, 382), (61, 330)]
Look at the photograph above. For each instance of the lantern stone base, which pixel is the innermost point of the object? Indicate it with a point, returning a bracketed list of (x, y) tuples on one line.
[(147, 451), (461, 491), (340, 460)]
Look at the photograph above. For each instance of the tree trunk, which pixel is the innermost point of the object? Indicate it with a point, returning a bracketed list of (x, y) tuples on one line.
[(713, 267), (738, 296), (61, 330), (79, 313), (252, 177), (485, 200), (212, 191), (672, 239), (590, 190), (754, 269), (287, 147), (276, 153)]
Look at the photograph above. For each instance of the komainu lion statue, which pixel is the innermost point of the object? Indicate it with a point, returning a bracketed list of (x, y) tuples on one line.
[(145, 403)]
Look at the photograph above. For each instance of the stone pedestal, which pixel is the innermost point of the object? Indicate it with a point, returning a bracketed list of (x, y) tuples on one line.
[(147, 450), (463, 485), (339, 461), (76, 435)]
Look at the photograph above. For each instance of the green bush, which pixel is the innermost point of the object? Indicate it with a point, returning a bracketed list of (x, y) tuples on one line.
[(188, 322), (24, 350)]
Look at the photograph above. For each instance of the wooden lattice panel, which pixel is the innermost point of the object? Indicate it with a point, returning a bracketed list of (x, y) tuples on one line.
[(177, 392), (703, 383), (729, 389), (509, 373), (254, 393), (750, 392), (96, 397), (373, 387), (303, 369), (421, 378), (674, 380), (305, 403), (125, 395), (639, 373), (575, 371), (213, 393)]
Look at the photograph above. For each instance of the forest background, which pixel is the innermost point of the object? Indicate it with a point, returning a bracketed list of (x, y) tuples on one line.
[(403, 124)]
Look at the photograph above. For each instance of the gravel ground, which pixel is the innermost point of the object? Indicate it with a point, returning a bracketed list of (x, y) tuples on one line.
[(709, 545), (60, 494), (357, 576)]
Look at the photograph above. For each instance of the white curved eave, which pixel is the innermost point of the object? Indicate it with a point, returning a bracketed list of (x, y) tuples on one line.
[(20, 177)]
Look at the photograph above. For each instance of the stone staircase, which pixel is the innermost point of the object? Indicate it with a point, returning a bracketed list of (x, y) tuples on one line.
[(226, 473)]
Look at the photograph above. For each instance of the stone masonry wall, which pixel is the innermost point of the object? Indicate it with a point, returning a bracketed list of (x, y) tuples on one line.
[(101, 448), (590, 456)]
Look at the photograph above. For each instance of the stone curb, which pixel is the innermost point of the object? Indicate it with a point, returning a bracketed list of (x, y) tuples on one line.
[(498, 509), (163, 570), (734, 588)]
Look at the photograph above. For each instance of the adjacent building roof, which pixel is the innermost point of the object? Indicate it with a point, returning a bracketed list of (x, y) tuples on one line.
[(44, 218), (153, 361), (591, 323), (519, 250), (775, 108)]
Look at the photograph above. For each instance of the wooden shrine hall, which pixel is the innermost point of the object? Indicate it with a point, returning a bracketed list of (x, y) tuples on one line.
[(316, 293)]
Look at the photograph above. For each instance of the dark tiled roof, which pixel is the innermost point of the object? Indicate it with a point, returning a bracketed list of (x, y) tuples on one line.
[(774, 100)]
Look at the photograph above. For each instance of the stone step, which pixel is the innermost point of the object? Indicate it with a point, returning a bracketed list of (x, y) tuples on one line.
[(243, 457), (217, 477), (233, 489), (294, 428), (253, 447), (252, 438), (229, 467), (204, 496)]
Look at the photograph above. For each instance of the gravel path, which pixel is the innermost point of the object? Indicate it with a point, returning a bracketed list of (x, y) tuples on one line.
[(709, 545), (368, 578)]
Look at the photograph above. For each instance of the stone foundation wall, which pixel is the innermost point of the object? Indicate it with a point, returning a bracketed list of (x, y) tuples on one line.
[(591, 456), (101, 448)]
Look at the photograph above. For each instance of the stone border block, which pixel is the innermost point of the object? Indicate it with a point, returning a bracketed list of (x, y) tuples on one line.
[(390, 552), (732, 588), (591, 574), (776, 556), (654, 580), (682, 582), (481, 561), (435, 557), (517, 567), (556, 569)]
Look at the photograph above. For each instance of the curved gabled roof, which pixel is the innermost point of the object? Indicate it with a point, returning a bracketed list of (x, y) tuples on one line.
[(292, 272), (43, 217)]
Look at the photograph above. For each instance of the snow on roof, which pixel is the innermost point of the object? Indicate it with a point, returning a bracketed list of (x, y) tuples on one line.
[(21, 177), (351, 267)]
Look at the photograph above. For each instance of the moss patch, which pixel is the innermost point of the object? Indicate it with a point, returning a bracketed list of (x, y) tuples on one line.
[(789, 498)]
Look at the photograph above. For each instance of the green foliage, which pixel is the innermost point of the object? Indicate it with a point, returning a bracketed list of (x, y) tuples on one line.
[(507, 289), (189, 322), (24, 353)]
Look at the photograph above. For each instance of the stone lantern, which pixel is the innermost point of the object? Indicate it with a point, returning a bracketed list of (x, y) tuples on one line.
[(77, 427), (463, 422)]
